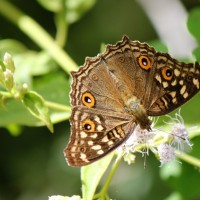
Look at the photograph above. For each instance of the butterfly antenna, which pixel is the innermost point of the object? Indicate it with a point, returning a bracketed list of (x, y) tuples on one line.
[(178, 136)]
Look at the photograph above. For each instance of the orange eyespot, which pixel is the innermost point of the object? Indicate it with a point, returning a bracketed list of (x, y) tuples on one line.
[(144, 62), (167, 73), (88, 100), (88, 125)]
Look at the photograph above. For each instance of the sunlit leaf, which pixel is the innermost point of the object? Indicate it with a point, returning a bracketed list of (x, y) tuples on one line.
[(91, 175), (14, 129), (194, 22), (158, 45), (174, 196), (37, 107), (76, 9), (12, 47), (31, 64), (170, 169), (53, 88), (51, 5), (196, 53)]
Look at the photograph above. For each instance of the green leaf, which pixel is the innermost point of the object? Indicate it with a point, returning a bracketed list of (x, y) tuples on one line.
[(158, 45), (174, 196), (54, 88), (51, 5), (36, 106), (11, 46), (172, 169), (14, 129), (76, 9), (31, 64), (92, 174), (196, 53), (194, 22)]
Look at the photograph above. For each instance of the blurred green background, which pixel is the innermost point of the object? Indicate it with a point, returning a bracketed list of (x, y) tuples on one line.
[(32, 165)]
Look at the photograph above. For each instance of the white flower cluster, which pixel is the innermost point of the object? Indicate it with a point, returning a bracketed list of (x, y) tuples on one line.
[(59, 197), (162, 143)]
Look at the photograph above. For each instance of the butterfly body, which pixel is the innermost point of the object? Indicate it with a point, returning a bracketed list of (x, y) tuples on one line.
[(119, 89)]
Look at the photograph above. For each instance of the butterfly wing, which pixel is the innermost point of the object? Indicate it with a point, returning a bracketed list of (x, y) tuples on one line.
[(96, 104), (94, 133), (114, 77), (125, 64), (129, 77), (173, 84), (93, 87), (100, 89)]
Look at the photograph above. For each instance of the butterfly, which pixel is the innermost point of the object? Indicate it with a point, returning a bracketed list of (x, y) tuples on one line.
[(119, 89)]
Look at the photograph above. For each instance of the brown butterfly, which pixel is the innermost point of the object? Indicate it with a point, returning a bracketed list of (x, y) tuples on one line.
[(117, 90)]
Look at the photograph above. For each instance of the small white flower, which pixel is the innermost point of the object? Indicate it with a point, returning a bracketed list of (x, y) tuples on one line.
[(138, 137), (141, 140), (179, 132), (166, 153), (58, 197), (133, 144), (129, 158), (75, 197), (141, 136)]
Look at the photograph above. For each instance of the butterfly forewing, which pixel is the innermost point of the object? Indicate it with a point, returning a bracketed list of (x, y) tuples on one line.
[(95, 84), (122, 60)]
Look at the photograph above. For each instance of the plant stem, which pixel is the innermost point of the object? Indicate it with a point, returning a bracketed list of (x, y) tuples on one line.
[(33, 30), (189, 159), (57, 106), (104, 190), (194, 134), (6, 94), (61, 27)]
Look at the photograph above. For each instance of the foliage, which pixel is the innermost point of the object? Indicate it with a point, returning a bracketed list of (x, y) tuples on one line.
[(36, 59)]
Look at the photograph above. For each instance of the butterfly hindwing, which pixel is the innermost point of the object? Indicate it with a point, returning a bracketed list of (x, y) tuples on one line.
[(95, 133)]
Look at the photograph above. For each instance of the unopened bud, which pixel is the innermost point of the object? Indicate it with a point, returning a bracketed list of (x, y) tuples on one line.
[(8, 79), (8, 61)]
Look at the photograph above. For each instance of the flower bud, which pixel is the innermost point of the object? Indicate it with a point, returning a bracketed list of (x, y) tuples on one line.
[(8, 61), (8, 79)]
